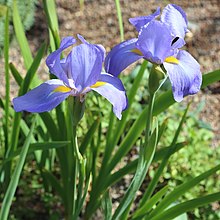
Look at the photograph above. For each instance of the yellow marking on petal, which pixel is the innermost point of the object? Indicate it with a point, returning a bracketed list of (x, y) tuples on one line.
[(137, 52), (62, 89), (172, 60), (98, 84)]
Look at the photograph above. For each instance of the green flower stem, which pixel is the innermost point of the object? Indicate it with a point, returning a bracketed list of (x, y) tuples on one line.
[(74, 158)]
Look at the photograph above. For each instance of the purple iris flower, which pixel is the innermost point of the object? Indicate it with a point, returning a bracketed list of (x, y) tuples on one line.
[(78, 73), (159, 42)]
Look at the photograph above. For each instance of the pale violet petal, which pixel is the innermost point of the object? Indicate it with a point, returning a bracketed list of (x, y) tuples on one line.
[(42, 98), (121, 56), (185, 77), (113, 90)]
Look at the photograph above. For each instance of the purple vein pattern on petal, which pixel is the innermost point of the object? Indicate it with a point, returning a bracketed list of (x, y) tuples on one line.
[(42, 98), (185, 77), (121, 56), (98, 46), (154, 41), (139, 22), (175, 17), (86, 65), (53, 60), (114, 92)]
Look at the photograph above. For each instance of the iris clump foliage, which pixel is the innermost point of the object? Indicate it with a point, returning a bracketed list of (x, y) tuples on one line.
[(77, 141)]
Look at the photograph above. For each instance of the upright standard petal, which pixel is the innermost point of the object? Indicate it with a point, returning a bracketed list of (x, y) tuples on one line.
[(86, 65), (43, 98), (121, 56), (154, 41), (185, 77), (113, 90), (139, 22), (175, 17), (53, 60), (98, 46)]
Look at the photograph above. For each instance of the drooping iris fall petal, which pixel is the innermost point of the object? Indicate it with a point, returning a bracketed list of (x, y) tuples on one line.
[(42, 98), (185, 77), (113, 90)]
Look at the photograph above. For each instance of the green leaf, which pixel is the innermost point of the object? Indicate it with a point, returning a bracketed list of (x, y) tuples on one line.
[(187, 206), (152, 185), (7, 79), (50, 125), (106, 204), (145, 159), (88, 136), (39, 146), (209, 78), (23, 89), (148, 205), (15, 177), (32, 70), (130, 167), (159, 155), (17, 76), (54, 183), (20, 35), (131, 95), (50, 11), (181, 189)]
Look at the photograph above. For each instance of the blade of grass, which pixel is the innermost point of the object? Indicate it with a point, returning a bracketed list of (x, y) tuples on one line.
[(20, 35), (17, 76), (131, 167), (15, 177), (151, 187), (144, 162), (32, 70), (23, 89), (140, 212), (52, 20), (179, 209), (39, 146), (131, 95), (7, 79), (181, 189)]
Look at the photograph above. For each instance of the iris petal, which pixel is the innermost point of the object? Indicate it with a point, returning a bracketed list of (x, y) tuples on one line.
[(98, 46), (53, 60), (114, 92), (43, 98), (185, 77), (121, 56), (86, 65), (175, 17), (139, 22), (154, 41)]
